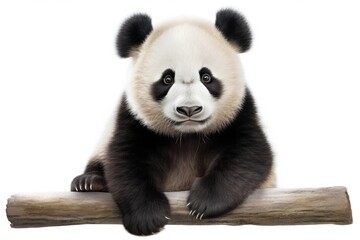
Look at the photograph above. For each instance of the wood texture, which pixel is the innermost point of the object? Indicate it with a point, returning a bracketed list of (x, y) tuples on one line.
[(273, 206)]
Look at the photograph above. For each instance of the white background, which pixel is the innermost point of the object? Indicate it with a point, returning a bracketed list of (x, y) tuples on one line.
[(60, 80)]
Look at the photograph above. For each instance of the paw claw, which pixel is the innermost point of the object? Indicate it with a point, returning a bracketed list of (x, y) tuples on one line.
[(188, 204), (210, 199), (89, 182), (167, 218)]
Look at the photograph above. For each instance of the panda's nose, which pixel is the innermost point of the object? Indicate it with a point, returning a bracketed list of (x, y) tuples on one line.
[(189, 111)]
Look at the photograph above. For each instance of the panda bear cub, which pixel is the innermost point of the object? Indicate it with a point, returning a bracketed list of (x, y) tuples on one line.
[(186, 121)]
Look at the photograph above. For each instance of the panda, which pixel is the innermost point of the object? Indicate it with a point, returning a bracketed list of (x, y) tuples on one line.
[(186, 121)]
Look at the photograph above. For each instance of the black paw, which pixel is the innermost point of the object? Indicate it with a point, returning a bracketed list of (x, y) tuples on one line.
[(146, 218), (89, 182), (208, 199)]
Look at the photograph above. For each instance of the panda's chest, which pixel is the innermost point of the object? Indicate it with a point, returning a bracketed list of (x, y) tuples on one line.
[(186, 162)]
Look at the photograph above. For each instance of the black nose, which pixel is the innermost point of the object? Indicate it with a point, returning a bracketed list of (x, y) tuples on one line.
[(189, 111)]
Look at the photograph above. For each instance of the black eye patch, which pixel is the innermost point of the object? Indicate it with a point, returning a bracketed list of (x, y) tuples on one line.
[(162, 86), (214, 86)]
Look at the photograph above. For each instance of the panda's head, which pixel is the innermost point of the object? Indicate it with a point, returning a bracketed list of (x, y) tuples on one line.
[(187, 76)]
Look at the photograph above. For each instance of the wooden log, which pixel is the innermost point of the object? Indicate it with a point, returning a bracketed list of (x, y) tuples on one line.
[(273, 206)]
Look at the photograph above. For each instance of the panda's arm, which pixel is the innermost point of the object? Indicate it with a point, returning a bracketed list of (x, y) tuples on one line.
[(244, 163), (130, 177)]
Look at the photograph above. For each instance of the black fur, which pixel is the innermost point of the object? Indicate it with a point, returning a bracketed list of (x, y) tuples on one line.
[(133, 33), (215, 87), (234, 28), (236, 161), (159, 89), (93, 178)]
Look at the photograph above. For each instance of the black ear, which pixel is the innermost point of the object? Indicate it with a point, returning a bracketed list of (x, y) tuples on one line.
[(234, 28), (133, 33)]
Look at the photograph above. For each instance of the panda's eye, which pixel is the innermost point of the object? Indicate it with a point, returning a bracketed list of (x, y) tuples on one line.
[(206, 78), (168, 79)]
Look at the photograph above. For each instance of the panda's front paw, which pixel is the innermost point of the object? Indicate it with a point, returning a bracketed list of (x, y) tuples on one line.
[(208, 199), (146, 217), (89, 182)]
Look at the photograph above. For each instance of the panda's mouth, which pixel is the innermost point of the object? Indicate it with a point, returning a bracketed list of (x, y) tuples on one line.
[(191, 122)]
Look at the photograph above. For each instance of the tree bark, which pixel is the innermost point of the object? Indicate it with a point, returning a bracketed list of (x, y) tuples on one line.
[(272, 206)]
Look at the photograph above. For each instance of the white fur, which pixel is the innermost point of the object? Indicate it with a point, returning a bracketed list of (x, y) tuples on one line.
[(186, 47), (100, 150)]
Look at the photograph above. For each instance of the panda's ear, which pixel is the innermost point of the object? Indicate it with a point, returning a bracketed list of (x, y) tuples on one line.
[(234, 28), (133, 33)]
